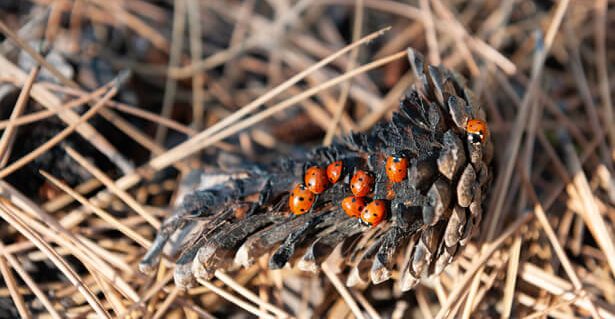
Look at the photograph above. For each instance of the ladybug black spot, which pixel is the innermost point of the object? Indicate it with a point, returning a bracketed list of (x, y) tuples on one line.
[(301, 198)]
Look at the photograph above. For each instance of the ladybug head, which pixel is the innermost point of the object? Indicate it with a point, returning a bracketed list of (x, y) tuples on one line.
[(475, 138)]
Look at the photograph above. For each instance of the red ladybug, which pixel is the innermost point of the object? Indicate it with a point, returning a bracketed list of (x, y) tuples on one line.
[(334, 171), (361, 183), (316, 179), (397, 168), (477, 131), (301, 200), (353, 206), (374, 212)]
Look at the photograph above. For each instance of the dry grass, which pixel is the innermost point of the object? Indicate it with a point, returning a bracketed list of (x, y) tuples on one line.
[(239, 77)]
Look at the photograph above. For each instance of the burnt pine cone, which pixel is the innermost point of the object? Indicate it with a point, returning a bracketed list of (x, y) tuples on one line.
[(432, 213)]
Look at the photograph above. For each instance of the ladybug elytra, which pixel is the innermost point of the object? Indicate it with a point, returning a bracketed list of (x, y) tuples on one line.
[(353, 206), (477, 131), (316, 179), (361, 183), (374, 212), (334, 171), (396, 168), (301, 200)]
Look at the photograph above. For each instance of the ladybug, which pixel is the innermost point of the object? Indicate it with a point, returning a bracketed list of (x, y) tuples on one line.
[(374, 212), (301, 200), (334, 171), (316, 179), (397, 168), (353, 206), (361, 183), (477, 131)]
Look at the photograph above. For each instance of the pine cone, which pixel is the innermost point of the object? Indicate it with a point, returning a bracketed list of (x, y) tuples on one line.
[(432, 213)]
